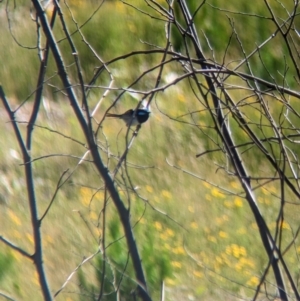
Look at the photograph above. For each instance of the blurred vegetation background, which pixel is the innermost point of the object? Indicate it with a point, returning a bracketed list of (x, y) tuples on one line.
[(194, 231)]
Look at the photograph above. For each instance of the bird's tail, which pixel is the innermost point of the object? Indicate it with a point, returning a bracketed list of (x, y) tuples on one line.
[(112, 115)]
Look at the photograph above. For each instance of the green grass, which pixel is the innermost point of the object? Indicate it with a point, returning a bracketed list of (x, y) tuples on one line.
[(202, 239)]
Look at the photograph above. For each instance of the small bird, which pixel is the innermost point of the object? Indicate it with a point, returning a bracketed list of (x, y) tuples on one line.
[(132, 117)]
